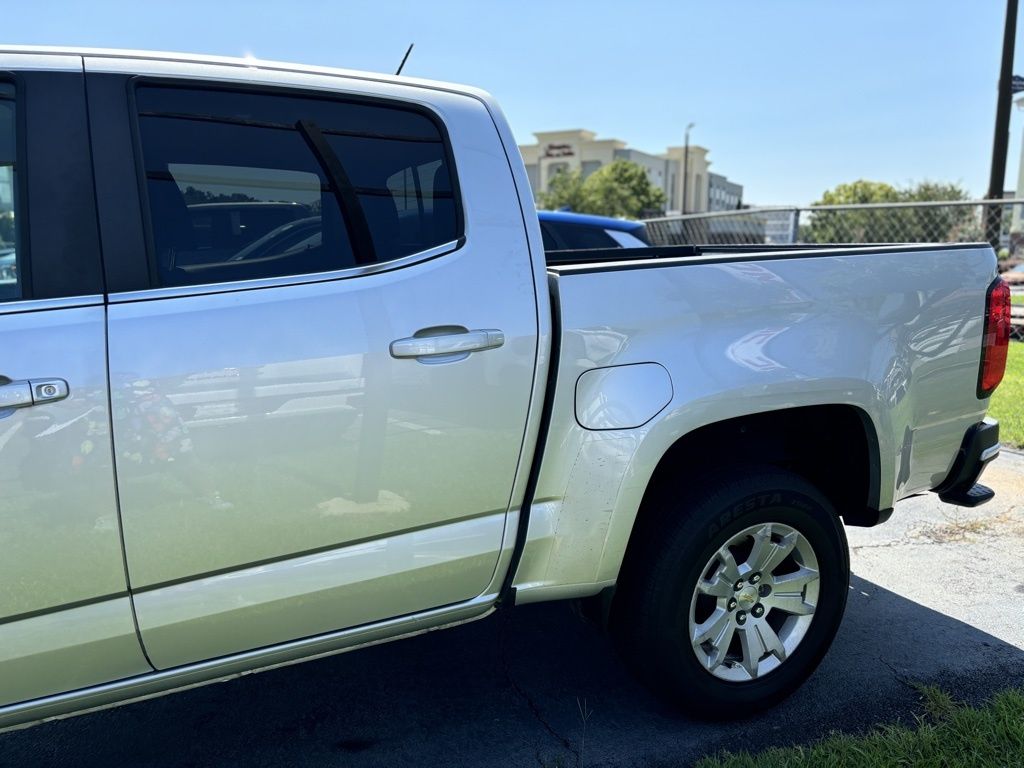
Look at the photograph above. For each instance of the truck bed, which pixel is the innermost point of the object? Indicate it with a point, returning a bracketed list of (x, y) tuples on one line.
[(648, 353)]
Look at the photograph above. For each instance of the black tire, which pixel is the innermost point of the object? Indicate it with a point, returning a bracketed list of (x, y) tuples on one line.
[(651, 611)]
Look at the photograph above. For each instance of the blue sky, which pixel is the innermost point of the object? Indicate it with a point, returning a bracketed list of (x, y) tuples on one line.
[(791, 97)]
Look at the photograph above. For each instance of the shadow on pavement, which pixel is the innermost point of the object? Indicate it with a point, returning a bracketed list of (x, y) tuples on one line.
[(504, 691)]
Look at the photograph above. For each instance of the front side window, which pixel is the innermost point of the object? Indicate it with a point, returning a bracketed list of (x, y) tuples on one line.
[(10, 283), (253, 185)]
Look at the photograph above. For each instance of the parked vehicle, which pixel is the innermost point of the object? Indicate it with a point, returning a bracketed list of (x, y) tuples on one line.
[(567, 231), (222, 454)]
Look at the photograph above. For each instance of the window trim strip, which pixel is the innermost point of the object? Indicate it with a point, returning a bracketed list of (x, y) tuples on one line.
[(19, 306)]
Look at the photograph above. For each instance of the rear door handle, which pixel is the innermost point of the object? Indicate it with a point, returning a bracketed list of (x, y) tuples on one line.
[(448, 346), (23, 393)]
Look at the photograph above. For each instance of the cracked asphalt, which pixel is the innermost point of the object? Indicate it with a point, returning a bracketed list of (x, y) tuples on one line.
[(937, 596)]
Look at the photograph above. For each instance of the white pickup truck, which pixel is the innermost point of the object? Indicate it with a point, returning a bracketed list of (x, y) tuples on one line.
[(284, 371)]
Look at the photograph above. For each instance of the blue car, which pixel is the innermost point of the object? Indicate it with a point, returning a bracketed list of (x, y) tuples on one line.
[(566, 231)]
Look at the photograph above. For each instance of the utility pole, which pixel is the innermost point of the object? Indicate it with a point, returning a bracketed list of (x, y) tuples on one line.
[(993, 213), (686, 163)]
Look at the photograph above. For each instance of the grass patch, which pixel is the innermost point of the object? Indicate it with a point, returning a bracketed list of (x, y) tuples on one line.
[(1008, 401), (948, 734), (1017, 298)]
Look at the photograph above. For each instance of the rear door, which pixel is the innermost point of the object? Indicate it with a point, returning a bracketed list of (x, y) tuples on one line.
[(65, 616), (321, 354)]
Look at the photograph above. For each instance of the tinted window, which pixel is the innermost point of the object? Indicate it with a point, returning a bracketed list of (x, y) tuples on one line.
[(578, 236), (10, 284), (550, 244), (245, 185)]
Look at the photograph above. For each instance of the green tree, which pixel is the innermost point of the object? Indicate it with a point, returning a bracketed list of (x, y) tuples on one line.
[(565, 190), (620, 188), (854, 226), (942, 223), (892, 225)]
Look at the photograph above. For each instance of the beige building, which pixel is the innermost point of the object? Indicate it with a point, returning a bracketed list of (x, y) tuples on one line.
[(581, 150)]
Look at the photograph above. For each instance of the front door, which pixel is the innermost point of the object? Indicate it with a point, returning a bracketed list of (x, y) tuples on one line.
[(319, 405), (65, 615)]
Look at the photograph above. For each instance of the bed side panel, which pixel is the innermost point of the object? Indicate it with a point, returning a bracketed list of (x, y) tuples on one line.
[(896, 334)]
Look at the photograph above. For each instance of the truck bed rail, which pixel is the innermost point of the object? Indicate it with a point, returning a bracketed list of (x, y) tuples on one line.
[(602, 258)]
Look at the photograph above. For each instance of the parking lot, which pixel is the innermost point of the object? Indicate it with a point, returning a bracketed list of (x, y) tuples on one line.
[(936, 597)]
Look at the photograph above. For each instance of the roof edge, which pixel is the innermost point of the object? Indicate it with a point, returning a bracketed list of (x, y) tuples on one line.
[(244, 62)]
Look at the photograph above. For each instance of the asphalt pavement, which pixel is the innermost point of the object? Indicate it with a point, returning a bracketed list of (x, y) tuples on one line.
[(937, 596)]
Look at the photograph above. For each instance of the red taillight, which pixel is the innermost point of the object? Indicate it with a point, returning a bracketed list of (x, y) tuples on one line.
[(996, 340)]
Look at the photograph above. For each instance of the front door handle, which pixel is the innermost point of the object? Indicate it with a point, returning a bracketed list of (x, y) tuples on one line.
[(23, 393), (447, 347)]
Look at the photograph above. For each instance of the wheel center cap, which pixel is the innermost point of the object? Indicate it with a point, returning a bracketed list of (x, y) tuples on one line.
[(747, 597)]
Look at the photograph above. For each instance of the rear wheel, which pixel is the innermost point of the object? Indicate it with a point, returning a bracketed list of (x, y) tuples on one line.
[(730, 600)]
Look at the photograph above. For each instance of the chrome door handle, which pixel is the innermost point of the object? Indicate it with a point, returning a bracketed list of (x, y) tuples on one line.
[(449, 346), (23, 393)]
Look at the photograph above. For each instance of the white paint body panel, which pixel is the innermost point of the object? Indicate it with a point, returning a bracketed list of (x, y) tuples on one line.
[(285, 427), (318, 593), (61, 566), (73, 648), (895, 333), (622, 396)]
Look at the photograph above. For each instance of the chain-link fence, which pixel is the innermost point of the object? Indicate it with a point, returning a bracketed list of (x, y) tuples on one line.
[(930, 222)]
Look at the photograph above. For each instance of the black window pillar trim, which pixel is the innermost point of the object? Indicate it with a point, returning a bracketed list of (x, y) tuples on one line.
[(344, 192), (58, 243)]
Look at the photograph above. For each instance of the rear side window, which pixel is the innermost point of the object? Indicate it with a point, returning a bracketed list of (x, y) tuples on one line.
[(550, 244), (10, 284), (246, 185), (580, 236)]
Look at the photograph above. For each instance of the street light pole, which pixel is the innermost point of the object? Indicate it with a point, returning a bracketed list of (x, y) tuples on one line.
[(1000, 142), (686, 166)]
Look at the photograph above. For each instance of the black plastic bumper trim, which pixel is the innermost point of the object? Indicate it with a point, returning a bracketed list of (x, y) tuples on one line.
[(979, 447)]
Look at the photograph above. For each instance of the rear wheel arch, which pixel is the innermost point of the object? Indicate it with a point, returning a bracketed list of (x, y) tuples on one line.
[(834, 447)]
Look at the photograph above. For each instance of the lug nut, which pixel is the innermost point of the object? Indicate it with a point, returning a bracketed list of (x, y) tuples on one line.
[(741, 617), (754, 578), (758, 611), (764, 590), (738, 586), (732, 603)]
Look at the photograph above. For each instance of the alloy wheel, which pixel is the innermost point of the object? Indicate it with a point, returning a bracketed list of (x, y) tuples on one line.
[(754, 602)]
